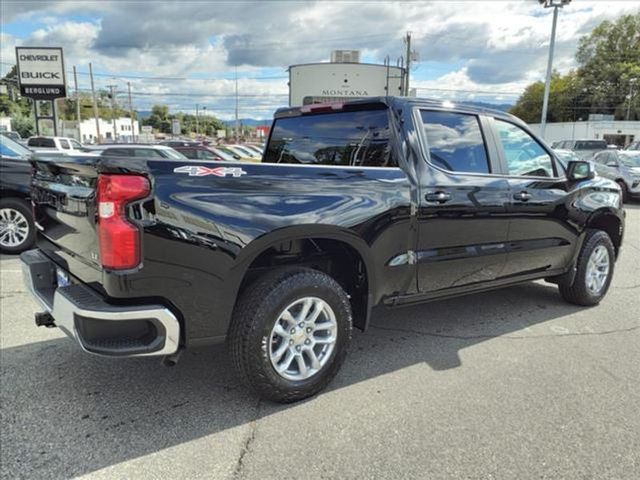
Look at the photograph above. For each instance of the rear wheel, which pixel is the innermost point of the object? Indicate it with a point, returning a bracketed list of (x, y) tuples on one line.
[(290, 333), (17, 232), (594, 270)]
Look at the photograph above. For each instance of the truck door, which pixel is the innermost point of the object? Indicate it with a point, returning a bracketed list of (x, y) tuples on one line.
[(541, 238), (462, 221)]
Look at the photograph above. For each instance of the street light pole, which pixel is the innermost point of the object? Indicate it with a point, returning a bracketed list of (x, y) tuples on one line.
[(555, 4), (197, 126), (632, 82)]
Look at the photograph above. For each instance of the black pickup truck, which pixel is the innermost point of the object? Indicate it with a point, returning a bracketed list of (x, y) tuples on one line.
[(385, 201)]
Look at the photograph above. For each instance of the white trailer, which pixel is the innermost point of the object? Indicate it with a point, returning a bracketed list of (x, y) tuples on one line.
[(327, 82)]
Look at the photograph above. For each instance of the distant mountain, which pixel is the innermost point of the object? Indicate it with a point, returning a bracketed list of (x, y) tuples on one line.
[(143, 114)]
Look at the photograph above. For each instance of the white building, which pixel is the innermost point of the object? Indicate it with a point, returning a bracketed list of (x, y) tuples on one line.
[(620, 132), (124, 132), (5, 124)]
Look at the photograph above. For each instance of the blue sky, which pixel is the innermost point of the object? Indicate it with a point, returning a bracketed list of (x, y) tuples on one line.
[(468, 50)]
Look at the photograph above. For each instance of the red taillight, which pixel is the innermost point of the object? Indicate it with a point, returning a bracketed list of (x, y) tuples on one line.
[(119, 239)]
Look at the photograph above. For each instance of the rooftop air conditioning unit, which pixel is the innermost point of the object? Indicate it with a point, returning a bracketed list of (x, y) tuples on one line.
[(345, 56)]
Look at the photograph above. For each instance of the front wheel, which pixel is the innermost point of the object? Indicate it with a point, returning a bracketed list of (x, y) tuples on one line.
[(624, 191), (290, 332), (594, 270)]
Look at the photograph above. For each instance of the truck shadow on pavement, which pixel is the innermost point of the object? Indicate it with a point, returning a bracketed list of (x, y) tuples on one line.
[(67, 413)]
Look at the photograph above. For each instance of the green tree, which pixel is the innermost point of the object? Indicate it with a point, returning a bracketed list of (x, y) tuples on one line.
[(608, 70), (609, 61)]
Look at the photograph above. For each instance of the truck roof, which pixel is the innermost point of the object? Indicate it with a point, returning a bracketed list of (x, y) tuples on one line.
[(392, 101)]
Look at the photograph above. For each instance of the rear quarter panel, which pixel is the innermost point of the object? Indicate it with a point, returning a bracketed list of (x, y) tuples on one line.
[(202, 232)]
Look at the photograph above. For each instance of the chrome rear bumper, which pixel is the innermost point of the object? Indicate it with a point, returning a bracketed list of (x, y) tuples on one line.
[(97, 326)]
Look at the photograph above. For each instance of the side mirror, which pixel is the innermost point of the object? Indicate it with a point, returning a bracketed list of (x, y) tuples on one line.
[(580, 170)]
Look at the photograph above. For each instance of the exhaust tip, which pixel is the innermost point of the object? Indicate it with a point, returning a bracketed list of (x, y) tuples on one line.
[(172, 360)]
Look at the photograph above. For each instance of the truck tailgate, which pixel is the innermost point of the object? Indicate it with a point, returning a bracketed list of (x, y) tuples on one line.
[(64, 197)]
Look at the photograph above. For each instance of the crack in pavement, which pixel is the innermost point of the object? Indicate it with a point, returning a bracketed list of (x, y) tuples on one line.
[(510, 337), (246, 446)]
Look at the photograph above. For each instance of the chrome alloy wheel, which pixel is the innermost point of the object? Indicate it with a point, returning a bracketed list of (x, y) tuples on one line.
[(598, 268), (14, 227), (303, 338)]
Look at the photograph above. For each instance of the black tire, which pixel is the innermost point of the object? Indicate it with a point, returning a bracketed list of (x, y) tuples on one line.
[(625, 191), (24, 209), (578, 293), (254, 316)]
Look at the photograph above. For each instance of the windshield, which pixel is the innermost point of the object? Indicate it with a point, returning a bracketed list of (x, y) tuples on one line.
[(9, 148), (173, 154), (630, 159)]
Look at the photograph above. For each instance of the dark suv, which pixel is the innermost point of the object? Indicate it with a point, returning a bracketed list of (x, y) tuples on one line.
[(17, 231)]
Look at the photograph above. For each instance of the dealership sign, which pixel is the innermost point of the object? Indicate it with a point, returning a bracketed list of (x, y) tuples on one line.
[(41, 72)]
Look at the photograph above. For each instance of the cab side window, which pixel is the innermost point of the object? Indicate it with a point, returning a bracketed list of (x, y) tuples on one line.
[(455, 141), (525, 157)]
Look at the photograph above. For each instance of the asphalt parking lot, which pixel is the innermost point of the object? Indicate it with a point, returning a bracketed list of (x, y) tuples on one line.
[(509, 384)]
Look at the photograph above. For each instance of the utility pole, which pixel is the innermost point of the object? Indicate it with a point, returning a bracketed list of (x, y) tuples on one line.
[(133, 132), (95, 106), (237, 124), (75, 81), (113, 110), (407, 40)]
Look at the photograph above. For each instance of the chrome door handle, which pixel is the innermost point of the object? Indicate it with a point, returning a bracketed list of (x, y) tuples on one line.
[(439, 196), (522, 196)]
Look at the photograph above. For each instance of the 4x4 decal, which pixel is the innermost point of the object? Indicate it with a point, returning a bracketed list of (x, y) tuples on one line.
[(200, 171)]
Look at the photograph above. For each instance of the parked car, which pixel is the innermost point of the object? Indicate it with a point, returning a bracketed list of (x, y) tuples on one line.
[(258, 151), (243, 153), (384, 201), (585, 149), (633, 145), (566, 156), (64, 145), (132, 150), (622, 166), (17, 231), (201, 152), (15, 136)]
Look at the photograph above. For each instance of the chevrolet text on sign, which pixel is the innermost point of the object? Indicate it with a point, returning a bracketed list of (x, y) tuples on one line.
[(41, 72)]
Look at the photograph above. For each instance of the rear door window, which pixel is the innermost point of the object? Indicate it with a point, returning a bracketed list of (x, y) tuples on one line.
[(359, 138), (455, 141), (64, 144)]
